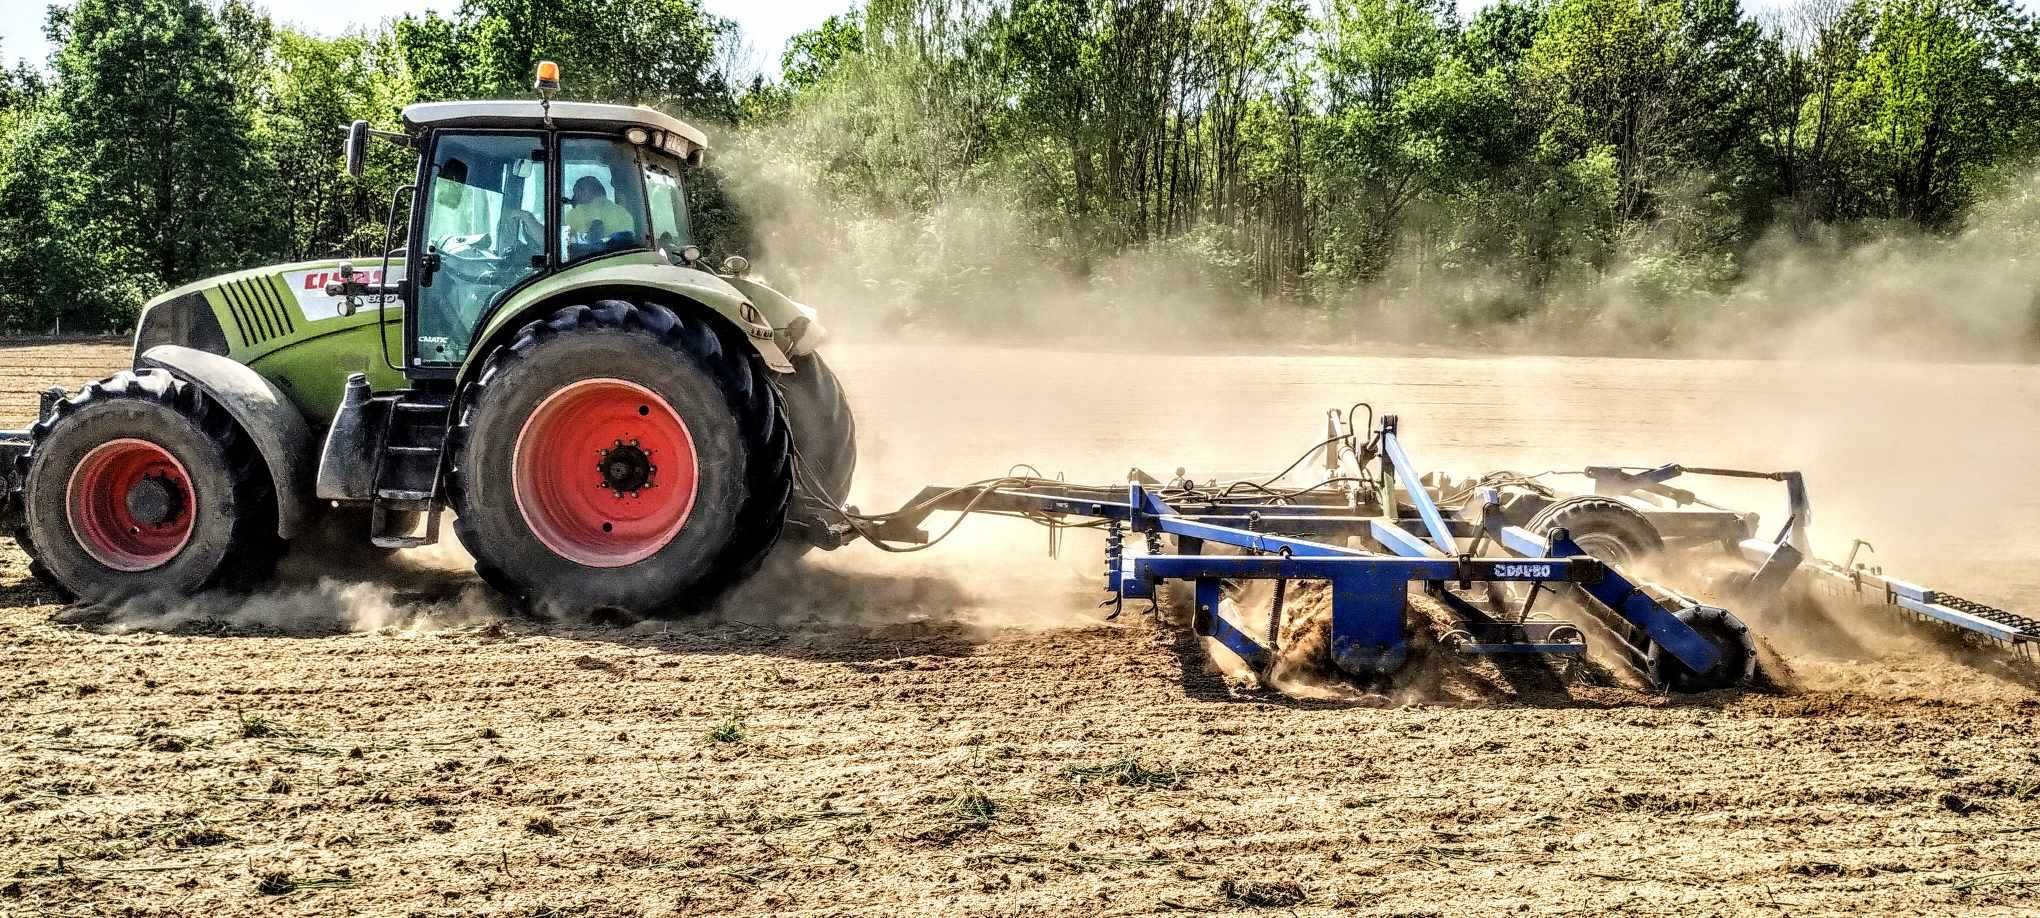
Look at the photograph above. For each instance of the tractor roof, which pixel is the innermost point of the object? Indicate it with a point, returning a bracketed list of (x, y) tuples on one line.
[(519, 113)]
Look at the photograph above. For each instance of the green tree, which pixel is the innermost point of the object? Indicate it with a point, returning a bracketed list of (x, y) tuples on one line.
[(819, 53), (665, 53), (313, 87), (1953, 82), (160, 143), (51, 276)]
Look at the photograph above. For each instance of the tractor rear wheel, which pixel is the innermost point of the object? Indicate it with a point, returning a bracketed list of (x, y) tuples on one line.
[(824, 437), (618, 456), (140, 484)]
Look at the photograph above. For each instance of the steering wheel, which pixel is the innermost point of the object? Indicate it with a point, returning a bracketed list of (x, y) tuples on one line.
[(467, 262), (524, 237)]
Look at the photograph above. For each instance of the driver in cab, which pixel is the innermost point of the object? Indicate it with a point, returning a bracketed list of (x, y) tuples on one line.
[(592, 216)]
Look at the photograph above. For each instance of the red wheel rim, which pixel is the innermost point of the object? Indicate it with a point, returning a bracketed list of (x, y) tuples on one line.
[(604, 472), (131, 505)]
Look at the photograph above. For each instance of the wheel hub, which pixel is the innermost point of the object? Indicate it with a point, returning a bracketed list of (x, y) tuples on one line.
[(626, 468), (645, 472), (130, 505), (155, 501)]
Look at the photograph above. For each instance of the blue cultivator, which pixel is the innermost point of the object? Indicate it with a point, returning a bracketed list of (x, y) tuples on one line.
[(1488, 550)]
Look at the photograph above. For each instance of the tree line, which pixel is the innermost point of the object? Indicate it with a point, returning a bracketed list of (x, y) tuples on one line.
[(1260, 157)]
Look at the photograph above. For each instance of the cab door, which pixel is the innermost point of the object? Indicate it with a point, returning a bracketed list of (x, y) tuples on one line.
[(483, 227)]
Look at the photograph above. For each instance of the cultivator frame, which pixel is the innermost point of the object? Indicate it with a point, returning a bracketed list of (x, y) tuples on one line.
[(1377, 524), (1788, 559)]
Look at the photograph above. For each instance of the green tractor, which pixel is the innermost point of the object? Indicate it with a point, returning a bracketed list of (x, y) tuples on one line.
[(613, 423)]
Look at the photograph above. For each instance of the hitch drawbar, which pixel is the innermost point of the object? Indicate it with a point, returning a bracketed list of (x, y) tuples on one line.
[(13, 450), (14, 446), (1370, 530)]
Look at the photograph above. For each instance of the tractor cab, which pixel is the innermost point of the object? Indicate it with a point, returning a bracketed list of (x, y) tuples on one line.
[(510, 192)]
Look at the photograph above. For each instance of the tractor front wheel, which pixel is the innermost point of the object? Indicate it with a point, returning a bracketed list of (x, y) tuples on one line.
[(139, 484), (620, 456)]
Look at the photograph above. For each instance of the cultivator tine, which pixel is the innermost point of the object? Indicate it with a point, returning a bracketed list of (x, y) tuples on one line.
[(2014, 631)]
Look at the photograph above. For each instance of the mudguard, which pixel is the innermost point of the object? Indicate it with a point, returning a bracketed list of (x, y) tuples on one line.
[(270, 420), (638, 272), (796, 328)]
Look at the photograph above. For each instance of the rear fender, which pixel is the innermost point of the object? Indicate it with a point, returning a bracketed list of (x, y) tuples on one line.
[(637, 278), (278, 431), (796, 328)]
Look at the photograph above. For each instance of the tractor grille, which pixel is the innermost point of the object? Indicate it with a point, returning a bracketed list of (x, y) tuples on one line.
[(259, 310)]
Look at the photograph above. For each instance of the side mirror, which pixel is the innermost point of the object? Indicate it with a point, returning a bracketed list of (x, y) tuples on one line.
[(357, 147)]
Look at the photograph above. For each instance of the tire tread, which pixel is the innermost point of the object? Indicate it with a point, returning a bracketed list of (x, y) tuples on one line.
[(760, 419)]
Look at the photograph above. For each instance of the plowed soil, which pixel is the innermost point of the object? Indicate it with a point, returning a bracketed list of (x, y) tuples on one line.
[(961, 732)]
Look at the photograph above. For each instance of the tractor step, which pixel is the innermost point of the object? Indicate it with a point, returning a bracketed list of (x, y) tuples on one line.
[(407, 465), (410, 541)]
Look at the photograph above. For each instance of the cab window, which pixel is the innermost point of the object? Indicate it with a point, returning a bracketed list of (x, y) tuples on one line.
[(669, 204), (602, 206), (484, 234)]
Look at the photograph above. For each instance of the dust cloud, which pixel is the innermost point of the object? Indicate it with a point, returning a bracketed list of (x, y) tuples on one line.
[(329, 582), (977, 266), (331, 605)]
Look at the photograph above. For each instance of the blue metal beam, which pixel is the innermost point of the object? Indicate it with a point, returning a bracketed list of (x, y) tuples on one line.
[(1961, 619), (1210, 621), (1391, 446), (1624, 599), (1520, 542), (1305, 567), (1400, 541), (1252, 541)]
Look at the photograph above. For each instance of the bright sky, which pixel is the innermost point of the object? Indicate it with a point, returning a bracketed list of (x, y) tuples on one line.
[(767, 24)]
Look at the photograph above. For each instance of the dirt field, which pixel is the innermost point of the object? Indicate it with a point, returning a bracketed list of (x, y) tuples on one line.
[(958, 732)]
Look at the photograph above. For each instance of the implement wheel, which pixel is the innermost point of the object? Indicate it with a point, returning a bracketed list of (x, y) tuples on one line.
[(1738, 655), (619, 456), (139, 484), (1607, 529)]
